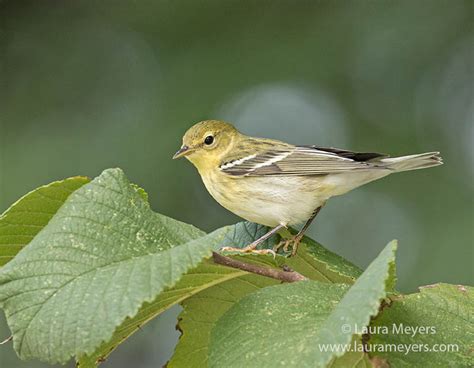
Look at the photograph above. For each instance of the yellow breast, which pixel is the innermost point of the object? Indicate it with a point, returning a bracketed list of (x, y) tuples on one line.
[(267, 200)]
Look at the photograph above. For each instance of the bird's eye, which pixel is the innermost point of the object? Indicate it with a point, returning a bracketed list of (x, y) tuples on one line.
[(209, 140)]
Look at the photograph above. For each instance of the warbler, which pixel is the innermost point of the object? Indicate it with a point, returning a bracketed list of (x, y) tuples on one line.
[(278, 184)]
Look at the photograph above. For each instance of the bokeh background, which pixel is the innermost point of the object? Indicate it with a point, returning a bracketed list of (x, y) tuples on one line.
[(90, 85)]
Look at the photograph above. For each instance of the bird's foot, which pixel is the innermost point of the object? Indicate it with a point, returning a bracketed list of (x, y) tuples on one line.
[(286, 243), (249, 250)]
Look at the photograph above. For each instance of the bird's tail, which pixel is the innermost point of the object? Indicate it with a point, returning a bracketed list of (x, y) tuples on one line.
[(413, 162)]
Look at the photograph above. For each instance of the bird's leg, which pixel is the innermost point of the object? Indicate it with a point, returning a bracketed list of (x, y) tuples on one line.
[(295, 240), (251, 247)]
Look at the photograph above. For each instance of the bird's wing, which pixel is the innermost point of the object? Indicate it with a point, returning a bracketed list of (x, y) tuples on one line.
[(301, 161)]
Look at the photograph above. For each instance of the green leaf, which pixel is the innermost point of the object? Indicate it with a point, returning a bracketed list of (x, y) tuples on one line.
[(202, 311), (274, 326), (270, 326), (204, 276), (98, 259), (29, 215), (356, 358), (140, 191), (325, 265), (94, 211), (219, 279), (312, 260), (439, 317)]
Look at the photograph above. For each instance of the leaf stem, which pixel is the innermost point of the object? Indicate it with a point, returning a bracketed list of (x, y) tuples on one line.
[(285, 275), (7, 340)]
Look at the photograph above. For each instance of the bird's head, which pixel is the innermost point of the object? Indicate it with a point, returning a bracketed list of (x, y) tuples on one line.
[(206, 142)]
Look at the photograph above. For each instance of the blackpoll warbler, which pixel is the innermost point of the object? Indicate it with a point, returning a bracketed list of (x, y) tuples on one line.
[(278, 184)]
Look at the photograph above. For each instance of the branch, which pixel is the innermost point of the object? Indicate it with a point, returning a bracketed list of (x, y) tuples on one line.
[(7, 340), (287, 275)]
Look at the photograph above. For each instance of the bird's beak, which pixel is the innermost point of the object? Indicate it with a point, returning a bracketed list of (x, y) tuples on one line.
[(183, 151)]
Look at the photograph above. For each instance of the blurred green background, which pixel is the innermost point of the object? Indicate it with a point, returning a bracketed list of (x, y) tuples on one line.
[(91, 85)]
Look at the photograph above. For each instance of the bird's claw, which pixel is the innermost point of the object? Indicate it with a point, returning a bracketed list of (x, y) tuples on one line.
[(286, 243)]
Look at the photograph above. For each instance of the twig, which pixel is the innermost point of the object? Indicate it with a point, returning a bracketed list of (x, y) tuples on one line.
[(286, 276), (9, 338)]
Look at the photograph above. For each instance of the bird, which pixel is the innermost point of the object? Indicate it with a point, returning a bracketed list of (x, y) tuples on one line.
[(277, 184)]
